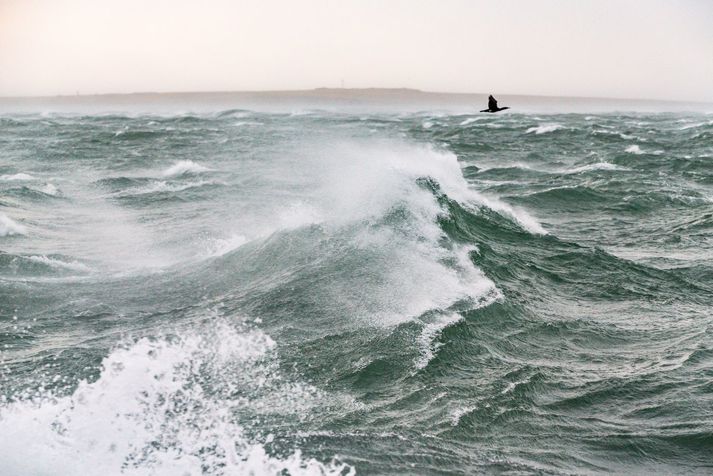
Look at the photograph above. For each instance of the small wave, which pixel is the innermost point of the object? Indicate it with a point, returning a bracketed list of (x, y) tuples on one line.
[(570, 196), (56, 263), (184, 167), (248, 123), (50, 189), (16, 177), (127, 134), (161, 186), (544, 128), (695, 125), (460, 412), (9, 227), (31, 193), (634, 149), (470, 120), (621, 135), (236, 113), (427, 341), (597, 166)]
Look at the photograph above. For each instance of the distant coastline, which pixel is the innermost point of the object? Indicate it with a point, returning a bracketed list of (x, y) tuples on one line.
[(332, 99)]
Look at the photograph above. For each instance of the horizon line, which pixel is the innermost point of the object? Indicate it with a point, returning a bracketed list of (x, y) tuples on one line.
[(414, 91)]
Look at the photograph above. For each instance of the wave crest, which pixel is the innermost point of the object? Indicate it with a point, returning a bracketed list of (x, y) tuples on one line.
[(9, 227), (184, 167)]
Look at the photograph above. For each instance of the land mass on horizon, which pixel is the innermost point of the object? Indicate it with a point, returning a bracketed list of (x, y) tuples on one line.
[(330, 98)]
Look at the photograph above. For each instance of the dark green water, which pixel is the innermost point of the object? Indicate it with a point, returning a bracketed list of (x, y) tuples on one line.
[(246, 292)]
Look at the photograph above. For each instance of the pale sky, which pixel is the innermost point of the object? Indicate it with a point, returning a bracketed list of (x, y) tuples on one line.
[(612, 48)]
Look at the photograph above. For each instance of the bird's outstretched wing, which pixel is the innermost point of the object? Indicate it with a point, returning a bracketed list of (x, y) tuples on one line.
[(492, 103)]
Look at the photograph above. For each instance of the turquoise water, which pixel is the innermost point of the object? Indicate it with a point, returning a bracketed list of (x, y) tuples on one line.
[(381, 293)]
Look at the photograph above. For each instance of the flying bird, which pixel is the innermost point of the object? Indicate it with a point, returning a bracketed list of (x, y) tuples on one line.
[(493, 105)]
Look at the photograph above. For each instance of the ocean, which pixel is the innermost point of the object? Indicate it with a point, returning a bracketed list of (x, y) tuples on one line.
[(235, 291)]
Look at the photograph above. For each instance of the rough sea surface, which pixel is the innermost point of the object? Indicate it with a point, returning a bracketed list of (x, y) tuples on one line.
[(337, 293)]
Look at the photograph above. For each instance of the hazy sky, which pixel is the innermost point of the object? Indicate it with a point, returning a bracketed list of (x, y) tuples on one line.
[(615, 48)]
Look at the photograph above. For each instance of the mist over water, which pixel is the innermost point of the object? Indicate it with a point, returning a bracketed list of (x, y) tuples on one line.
[(359, 292)]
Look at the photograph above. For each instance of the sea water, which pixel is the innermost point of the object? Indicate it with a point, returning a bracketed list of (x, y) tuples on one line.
[(243, 292)]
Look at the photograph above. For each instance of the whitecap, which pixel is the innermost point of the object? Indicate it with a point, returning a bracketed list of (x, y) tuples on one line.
[(427, 340), (634, 149), (50, 189), (183, 167), (16, 177), (10, 227), (161, 186), (694, 126), (56, 263), (596, 166), (470, 120), (544, 128), (460, 412)]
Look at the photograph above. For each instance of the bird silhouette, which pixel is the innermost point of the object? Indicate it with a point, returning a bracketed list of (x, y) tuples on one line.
[(493, 105)]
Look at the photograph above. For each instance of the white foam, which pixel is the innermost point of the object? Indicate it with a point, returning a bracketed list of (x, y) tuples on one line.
[(298, 214), (221, 246), (353, 188), (460, 412), (470, 120), (9, 227), (544, 128), (520, 216), (695, 125), (16, 177), (427, 341), (634, 149), (183, 167), (55, 263), (159, 407), (618, 134), (160, 186), (247, 123), (596, 166), (50, 189), (512, 385), (380, 173)]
